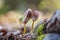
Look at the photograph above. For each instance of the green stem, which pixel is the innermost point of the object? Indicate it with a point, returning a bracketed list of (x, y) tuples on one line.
[(24, 29), (32, 29)]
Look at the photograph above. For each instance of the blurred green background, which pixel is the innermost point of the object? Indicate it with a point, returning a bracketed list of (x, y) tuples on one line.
[(22, 5)]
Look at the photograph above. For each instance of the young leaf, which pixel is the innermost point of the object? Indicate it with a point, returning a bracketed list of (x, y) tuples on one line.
[(20, 20)]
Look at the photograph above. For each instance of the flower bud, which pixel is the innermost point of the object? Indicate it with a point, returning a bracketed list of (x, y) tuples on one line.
[(35, 15), (28, 15)]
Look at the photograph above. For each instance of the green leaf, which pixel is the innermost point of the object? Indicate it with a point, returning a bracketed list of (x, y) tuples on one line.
[(21, 20)]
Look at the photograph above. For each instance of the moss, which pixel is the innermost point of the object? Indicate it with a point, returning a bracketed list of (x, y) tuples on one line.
[(40, 29), (41, 37)]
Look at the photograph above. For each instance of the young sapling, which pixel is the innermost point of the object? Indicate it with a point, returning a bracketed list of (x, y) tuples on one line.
[(27, 16), (34, 18)]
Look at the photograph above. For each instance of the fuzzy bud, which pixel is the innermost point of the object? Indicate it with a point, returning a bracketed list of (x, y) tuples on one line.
[(27, 16), (35, 15)]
